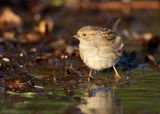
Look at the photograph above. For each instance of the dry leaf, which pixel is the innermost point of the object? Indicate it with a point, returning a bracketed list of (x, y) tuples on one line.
[(8, 16), (32, 37), (45, 26)]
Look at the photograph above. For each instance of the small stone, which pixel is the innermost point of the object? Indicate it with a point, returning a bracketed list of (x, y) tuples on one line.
[(64, 56), (21, 54), (5, 59), (33, 50)]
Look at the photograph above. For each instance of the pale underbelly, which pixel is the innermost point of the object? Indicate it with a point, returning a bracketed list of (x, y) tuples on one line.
[(99, 62)]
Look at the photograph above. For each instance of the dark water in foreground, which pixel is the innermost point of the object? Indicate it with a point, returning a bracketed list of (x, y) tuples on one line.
[(138, 95)]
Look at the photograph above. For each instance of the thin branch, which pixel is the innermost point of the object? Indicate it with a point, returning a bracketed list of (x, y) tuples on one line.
[(117, 5)]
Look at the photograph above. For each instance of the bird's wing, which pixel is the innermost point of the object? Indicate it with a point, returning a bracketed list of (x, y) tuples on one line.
[(107, 33)]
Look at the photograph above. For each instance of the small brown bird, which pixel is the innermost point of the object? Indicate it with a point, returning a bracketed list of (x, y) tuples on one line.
[(100, 47)]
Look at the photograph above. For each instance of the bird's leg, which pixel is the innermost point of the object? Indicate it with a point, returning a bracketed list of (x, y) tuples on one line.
[(90, 73), (117, 76), (89, 76)]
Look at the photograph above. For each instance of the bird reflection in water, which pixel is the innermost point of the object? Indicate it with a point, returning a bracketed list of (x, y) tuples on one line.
[(102, 102)]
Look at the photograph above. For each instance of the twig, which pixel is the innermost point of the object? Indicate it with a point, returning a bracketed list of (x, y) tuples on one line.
[(117, 5)]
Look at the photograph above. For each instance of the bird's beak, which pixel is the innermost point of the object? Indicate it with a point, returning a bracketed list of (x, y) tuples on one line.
[(76, 36)]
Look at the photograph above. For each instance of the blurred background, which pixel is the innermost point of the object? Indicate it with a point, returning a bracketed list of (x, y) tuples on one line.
[(41, 71)]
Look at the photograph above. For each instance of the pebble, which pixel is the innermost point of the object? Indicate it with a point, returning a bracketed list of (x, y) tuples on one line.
[(64, 56), (21, 54), (6, 59), (33, 50)]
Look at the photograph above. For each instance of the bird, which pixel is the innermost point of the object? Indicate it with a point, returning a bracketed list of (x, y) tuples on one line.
[(100, 47)]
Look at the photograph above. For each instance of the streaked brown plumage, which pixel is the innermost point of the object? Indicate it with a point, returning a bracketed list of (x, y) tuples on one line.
[(100, 47)]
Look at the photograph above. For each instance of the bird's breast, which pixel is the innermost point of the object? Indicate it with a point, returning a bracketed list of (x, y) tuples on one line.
[(97, 58)]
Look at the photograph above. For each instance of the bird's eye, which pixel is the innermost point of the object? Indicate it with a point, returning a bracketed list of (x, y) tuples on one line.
[(84, 34)]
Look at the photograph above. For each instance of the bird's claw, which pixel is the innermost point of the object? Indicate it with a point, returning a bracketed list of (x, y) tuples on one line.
[(89, 78), (117, 78)]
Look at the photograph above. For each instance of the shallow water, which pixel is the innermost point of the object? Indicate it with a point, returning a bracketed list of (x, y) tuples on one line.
[(138, 95), (143, 97)]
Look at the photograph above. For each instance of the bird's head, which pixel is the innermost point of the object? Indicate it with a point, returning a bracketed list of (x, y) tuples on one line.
[(94, 34), (87, 33)]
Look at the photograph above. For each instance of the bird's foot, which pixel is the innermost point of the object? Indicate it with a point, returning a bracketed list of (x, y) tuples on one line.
[(89, 78), (117, 78)]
